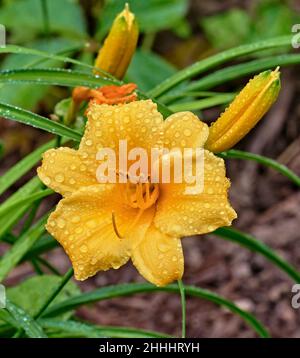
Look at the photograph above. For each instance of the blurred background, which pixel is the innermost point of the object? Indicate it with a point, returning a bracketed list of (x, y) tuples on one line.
[(174, 34)]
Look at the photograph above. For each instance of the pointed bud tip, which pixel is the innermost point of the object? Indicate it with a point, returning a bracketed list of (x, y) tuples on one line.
[(276, 73), (127, 14)]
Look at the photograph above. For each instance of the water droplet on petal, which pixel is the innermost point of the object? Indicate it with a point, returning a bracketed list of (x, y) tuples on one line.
[(187, 132), (78, 230), (83, 248), (59, 178), (61, 223), (163, 247), (47, 180)]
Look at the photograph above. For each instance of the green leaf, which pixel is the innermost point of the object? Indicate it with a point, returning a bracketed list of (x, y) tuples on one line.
[(233, 72), (12, 257), (148, 69), (45, 244), (255, 245), (25, 321), (202, 103), (268, 162), (218, 59), (79, 329), (227, 29), (130, 289), (8, 221), (152, 15), (34, 53), (61, 108), (36, 288), (272, 18), (8, 207), (37, 121), (28, 95), (65, 18), (55, 77), (66, 78), (183, 29), (23, 166)]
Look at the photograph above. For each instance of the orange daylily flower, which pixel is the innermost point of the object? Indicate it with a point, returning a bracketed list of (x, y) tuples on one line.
[(102, 226), (110, 94)]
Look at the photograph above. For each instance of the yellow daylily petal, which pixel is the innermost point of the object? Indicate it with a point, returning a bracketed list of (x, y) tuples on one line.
[(180, 214), (184, 130), (82, 224), (138, 122), (244, 112), (63, 171), (159, 257)]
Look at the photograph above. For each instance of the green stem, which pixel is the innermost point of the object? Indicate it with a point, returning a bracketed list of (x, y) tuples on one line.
[(48, 265), (46, 21), (36, 267), (281, 168), (183, 307), (148, 41), (65, 279)]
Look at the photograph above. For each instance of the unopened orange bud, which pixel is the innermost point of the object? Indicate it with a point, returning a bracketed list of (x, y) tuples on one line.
[(119, 46), (244, 112)]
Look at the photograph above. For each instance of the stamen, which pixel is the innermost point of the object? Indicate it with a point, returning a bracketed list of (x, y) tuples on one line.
[(136, 219), (115, 226), (139, 195)]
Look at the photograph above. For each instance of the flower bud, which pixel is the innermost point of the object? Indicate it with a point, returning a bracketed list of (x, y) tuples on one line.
[(244, 112), (119, 46)]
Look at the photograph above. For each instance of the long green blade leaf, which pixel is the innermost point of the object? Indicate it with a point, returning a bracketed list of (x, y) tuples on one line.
[(67, 78), (79, 329), (12, 257), (237, 71), (218, 59), (255, 245), (23, 166), (7, 207), (19, 50), (129, 289), (7, 221), (30, 326), (45, 244), (54, 76), (37, 121), (202, 103), (268, 162)]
